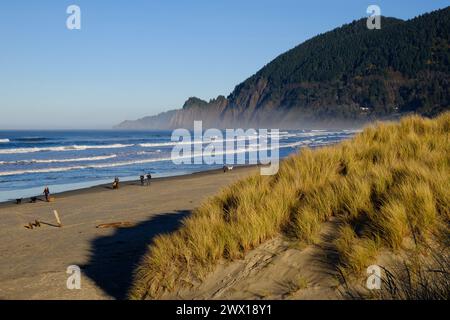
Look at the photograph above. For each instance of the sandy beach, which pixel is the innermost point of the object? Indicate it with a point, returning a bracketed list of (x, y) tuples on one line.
[(33, 263)]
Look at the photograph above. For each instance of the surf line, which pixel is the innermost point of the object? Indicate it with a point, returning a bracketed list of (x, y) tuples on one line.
[(260, 142)]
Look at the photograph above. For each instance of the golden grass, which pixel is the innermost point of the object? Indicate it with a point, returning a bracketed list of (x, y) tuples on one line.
[(389, 182)]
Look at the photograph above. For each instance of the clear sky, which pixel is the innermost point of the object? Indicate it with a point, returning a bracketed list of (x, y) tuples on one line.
[(134, 58)]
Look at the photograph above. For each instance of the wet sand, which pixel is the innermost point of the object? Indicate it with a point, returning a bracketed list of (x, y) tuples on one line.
[(33, 263)]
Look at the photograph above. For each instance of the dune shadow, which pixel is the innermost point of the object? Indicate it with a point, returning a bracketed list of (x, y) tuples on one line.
[(114, 257), (328, 258)]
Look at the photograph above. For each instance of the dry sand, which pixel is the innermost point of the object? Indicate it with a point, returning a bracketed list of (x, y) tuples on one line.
[(275, 270), (33, 263)]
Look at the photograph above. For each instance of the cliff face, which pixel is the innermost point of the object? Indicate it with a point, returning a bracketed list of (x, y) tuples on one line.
[(343, 77), (197, 109)]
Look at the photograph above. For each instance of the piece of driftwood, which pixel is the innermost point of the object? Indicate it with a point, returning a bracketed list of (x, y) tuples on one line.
[(58, 221), (32, 225), (122, 224)]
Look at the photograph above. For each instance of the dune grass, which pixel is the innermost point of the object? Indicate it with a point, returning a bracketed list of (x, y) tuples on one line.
[(388, 183), (419, 278), (423, 273)]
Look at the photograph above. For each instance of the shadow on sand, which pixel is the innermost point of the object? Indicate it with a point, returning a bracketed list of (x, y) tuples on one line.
[(115, 257)]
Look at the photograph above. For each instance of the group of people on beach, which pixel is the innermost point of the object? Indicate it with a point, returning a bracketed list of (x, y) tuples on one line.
[(142, 178), (46, 193), (115, 185)]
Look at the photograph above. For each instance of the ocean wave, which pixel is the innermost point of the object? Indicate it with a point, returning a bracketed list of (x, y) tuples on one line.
[(297, 144), (63, 148), (81, 167), (177, 143), (250, 148), (140, 153), (165, 144), (309, 143), (314, 133), (4, 140), (353, 130), (18, 162), (279, 133), (318, 133)]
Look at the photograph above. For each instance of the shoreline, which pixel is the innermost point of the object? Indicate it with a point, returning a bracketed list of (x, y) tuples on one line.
[(123, 184)]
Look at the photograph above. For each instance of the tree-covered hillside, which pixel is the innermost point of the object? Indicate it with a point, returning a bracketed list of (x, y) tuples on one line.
[(402, 67)]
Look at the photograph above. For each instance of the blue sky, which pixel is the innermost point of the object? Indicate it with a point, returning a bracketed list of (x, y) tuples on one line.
[(135, 58)]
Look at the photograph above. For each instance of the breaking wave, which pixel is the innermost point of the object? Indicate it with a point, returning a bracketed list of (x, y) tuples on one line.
[(63, 148), (192, 142), (58, 160)]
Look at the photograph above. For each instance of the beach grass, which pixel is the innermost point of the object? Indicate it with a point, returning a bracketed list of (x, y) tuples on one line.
[(389, 183)]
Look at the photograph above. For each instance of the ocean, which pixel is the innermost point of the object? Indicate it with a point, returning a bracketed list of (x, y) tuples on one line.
[(68, 160)]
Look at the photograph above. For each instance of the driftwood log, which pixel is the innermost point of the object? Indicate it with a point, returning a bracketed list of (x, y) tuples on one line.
[(122, 224)]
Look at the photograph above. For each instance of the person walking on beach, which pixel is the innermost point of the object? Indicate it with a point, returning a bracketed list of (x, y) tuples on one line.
[(142, 180), (116, 183), (149, 177), (46, 193)]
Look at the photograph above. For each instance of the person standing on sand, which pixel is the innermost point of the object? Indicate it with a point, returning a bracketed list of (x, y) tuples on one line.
[(149, 177), (142, 179), (46, 193), (116, 183)]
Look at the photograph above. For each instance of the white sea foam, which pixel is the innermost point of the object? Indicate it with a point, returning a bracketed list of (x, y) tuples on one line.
[(81, 167), (296, 144), (353, 130), (4, 140), (63, 148), (318, 133), (167, 144), (57, 160), (140, 153)]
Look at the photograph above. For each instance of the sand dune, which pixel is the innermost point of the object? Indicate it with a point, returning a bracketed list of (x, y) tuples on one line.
[(274, 270)]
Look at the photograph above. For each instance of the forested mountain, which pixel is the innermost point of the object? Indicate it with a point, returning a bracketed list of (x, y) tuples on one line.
[(349, 75)]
